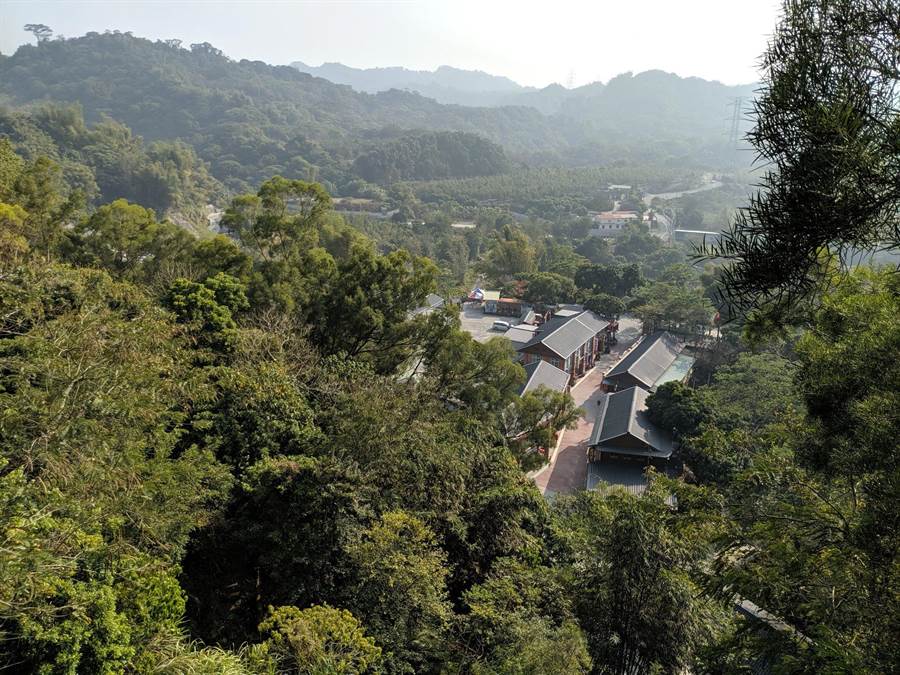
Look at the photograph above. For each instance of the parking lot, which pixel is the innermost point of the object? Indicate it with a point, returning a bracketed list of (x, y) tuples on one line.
[(478, 324)]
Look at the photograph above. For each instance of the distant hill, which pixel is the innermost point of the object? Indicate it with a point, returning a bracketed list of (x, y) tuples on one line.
[(445, 85), (429, 156), (653, 116), (652, 95), (250, 120), (656, 103)]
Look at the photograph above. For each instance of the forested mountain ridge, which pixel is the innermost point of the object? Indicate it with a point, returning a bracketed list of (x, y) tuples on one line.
[(248, 119), (661, 100), (251, 120), (654, 103), (445, 84)]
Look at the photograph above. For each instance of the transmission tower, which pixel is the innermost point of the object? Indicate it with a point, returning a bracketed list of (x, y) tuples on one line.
[(737, 104), (734, 136)]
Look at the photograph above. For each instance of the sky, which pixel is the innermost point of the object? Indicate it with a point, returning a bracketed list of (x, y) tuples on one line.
[(533, 43)]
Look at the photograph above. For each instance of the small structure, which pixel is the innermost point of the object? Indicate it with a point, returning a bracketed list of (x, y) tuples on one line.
[(569, 342), (655, 360), (491, 300), (540, 373), (618, 191), (476, 295), (623, 430), (463, 225), (510, 307)]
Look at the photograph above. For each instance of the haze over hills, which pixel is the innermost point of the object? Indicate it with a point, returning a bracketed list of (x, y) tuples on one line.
[(251, 120), (447, 84)]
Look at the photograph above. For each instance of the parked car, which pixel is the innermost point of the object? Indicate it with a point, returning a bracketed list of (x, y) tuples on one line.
[(501, 326)]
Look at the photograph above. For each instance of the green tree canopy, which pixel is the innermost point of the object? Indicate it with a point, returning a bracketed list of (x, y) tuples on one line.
[(826, 124), (319, 640)]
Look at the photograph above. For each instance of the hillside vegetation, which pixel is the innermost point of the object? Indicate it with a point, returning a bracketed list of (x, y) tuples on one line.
[(107, 162), (250, 120), (430, 156), (272, 451)]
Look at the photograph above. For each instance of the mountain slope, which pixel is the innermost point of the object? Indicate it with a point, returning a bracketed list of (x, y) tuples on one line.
[(651, 116), (654, 103), (250, 120), (445, 85)]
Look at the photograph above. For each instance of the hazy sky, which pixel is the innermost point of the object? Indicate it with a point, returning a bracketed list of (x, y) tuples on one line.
[(534, 43)]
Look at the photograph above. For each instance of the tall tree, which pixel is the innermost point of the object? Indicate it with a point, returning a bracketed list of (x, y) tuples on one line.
[(638, 600), (41, 32), (319, 640), (826, 128), (401, 592), (511, 253)]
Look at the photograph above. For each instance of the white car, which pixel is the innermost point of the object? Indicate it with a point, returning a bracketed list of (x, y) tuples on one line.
[(501, 326)]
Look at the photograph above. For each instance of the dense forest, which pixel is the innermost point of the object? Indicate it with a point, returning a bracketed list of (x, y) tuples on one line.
[(252, 452), (250, 120), (106, 161), (427, 156)]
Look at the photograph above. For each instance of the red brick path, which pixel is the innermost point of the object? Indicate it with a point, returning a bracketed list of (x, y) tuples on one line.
[(567, 472)]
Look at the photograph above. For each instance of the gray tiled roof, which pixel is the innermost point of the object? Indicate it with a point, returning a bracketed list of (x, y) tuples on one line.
[(564, 334), (649, 359), (519, 335), (624, 413), (542, 373), (432, 302)]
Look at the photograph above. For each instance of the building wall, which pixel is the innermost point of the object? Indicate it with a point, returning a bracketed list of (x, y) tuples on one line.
[(508, 308), (577, 363), (624, 381)]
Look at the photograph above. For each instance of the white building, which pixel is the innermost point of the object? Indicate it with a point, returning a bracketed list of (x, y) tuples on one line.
[(612, 223)]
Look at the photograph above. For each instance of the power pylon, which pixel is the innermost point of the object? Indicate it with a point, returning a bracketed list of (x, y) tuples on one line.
[(737, 105), (734, 136)]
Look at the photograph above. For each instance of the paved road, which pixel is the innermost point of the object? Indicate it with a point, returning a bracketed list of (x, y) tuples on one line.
[(665, 228), (710, 185), (567, 473)]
